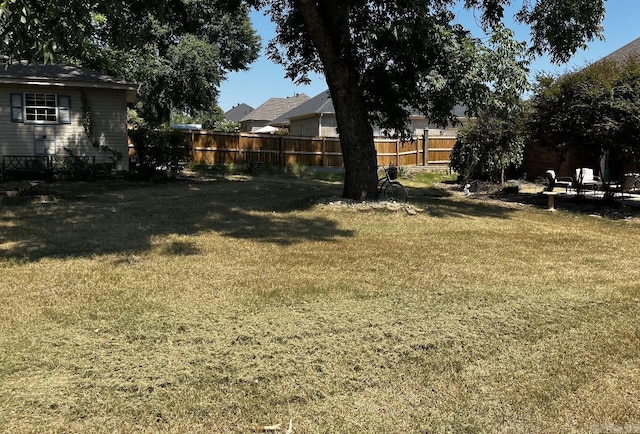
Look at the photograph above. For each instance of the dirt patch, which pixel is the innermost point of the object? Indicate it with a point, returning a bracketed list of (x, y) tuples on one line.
[(366, 206)]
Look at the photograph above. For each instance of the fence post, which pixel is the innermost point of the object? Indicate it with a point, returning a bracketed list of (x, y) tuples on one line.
[(397, 152), (425, 147), (281, 151), (323, 160)]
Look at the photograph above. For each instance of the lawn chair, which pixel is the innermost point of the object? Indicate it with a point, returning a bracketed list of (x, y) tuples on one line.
[(630, 183), (554, 181), (586, 179)]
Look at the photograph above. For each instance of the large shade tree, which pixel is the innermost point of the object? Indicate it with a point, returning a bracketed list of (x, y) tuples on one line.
[(178, 50), (382, 60)]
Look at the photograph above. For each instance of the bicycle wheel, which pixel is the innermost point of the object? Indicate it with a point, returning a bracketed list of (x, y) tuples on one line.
[(394, 191), (382, 183)]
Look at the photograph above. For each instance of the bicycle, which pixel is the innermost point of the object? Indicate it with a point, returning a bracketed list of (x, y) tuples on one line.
[(389, 188)]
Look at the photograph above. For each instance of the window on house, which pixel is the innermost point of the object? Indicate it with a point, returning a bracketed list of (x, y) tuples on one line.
[(40, 108), (64, 109), (17, 108)]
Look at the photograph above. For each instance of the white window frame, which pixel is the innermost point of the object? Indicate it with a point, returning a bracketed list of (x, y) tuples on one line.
[(40, 108)]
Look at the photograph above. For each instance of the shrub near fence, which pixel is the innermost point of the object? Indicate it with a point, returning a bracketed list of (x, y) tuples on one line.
[(212, 148)]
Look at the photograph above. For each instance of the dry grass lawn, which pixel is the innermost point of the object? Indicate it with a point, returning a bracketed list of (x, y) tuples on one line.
[(215, 307)]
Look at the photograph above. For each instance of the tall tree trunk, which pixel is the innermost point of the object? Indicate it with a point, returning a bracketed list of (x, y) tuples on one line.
[(164, 113), (327, 23), (356, 140)]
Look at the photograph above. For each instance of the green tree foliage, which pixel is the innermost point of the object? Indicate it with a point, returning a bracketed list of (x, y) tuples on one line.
[(489, 147), (595, 111), (493, 142), (159, 152), (179, 50), (383, 60)]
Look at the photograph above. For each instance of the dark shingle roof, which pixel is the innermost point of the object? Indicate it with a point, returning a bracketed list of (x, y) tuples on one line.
[(60, 75), (319, 104), (621, 54), (238, 112), (274, 107)]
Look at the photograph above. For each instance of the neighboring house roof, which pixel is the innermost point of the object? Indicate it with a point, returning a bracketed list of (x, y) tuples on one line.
[(63, 76), (322, 104), (238, 112), (631, 49), (458, 111), (319, 104), (274, 107)]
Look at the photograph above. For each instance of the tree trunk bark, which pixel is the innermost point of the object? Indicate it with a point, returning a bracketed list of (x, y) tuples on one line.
[(164, 113), (327, 23), (356, 140)]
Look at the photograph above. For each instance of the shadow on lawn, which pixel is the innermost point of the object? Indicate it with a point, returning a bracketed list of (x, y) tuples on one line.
[(119, 217), (441, 202), (128, 219)]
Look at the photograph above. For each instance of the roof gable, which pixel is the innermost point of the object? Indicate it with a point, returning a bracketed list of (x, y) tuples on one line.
[(274, 107), (238, 112), (319, 104)]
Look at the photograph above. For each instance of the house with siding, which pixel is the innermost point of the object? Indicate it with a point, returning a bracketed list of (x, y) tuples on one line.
[(271, 109), (48, 110), (420, 124), (317, 118)]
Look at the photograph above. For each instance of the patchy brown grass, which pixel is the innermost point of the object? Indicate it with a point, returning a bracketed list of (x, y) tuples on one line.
[(219, 306)]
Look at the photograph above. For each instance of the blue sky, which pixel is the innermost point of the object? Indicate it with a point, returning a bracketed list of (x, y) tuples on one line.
[(265, 79)]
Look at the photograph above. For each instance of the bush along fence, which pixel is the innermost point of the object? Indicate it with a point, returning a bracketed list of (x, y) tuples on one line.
[(215, 148)]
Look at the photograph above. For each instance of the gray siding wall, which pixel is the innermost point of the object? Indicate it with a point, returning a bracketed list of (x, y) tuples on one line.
[(324, 126), (108, 108)]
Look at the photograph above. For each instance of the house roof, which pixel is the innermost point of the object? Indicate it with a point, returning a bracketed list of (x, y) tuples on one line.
[(274, 107), (622, 53), (319, 104), (238, 112), (62, 76), (322, 104)]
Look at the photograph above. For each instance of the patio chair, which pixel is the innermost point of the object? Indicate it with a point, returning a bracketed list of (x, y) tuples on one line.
[(586, 179), (555, 181), (629, 183)]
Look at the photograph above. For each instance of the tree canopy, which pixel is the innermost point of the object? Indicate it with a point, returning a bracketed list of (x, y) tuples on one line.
[(384, 60), (595, 111), (179, 50), (493, 141)]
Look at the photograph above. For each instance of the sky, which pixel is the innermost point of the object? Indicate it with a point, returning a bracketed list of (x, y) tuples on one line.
[(265, 79)]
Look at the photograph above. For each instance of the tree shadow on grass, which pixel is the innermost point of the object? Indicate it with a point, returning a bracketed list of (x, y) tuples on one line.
[(449, 207), (441, 202), (130, 219)]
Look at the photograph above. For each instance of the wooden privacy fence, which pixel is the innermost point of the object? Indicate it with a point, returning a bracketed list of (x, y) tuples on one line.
[(212, 148)]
